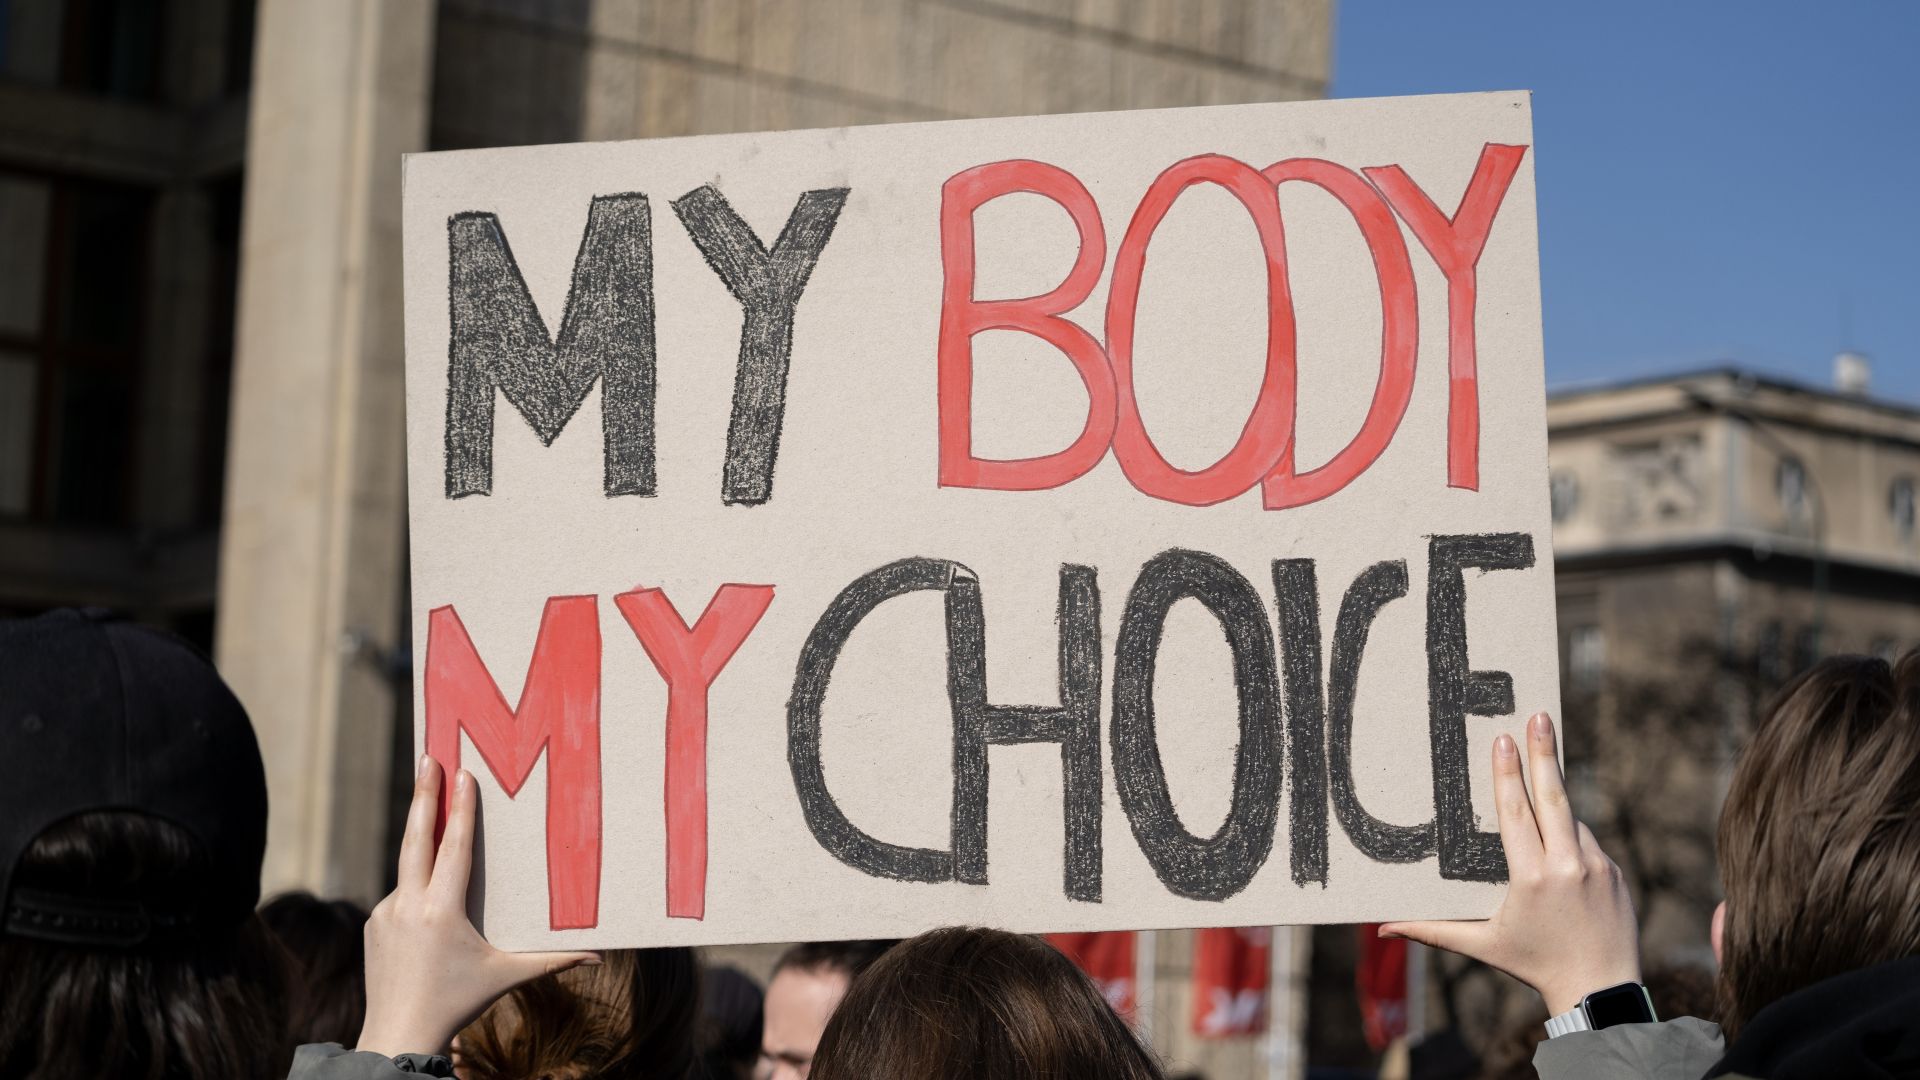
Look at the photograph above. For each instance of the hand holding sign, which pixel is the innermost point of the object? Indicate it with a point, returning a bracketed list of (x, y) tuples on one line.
[(429, 972), (1566, 927)]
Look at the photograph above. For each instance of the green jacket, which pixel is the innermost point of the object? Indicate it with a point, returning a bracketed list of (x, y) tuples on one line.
[(1680, 1049)]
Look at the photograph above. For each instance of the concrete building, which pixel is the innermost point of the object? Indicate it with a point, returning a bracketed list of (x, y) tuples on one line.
[(122, 137), (201, 408), (1714, 534)]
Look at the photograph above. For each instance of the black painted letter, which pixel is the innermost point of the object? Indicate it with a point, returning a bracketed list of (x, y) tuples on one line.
[(1218, 866), (1455, 692), (1320, 726), (1074, 724), (768, 286), (1297, 589), (1379, 840), (500, 341), (842, 838)]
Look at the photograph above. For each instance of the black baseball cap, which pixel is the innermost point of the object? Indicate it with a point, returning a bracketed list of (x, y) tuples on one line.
[(101, 714)]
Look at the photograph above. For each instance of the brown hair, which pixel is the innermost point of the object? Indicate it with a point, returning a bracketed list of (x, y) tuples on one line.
[(965, 1002), (209, 1003), (1820, 834), (631, 1017), (327, 940)]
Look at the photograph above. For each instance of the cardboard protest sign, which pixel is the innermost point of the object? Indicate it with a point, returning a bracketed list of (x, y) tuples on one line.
[(1059, 523)]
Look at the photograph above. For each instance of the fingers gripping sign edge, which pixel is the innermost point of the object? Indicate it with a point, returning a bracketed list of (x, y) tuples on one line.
[(534, 965), (1469, 938)]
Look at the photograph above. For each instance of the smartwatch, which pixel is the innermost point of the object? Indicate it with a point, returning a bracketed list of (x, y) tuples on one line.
[(1627, 1003)]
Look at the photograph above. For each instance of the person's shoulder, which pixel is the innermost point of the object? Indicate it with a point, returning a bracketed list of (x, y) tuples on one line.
[(1680, 1049), (331, 1061)]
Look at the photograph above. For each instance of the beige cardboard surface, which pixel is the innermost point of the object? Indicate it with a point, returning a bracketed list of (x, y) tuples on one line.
[(855, 486)]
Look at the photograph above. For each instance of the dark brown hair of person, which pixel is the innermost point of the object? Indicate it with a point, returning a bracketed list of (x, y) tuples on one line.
[(633, 1016), (328, 941), (850, 958), (1820, 834), (978, 1004), (208, 1005)]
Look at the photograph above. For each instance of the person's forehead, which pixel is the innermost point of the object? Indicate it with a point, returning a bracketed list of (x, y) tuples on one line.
[(809, 983), (799, 1004)]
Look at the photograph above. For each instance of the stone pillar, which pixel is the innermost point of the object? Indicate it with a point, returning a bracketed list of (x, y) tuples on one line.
[(312, 552)]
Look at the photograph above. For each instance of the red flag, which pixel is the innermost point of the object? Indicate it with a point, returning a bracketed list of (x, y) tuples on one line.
[(1107, 957), (1381, 975), (1230, 971)]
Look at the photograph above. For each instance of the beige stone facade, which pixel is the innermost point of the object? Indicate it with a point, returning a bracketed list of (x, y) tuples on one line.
[(313, 536)]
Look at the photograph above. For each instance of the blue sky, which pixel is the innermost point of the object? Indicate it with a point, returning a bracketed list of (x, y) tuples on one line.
[(1717, 182)]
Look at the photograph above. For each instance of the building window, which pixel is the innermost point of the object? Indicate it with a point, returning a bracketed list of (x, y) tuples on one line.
[(1586, 658), (1660, 483), (1900, 506), (1790, 484), (17, 372), (30, 32), (1769, 661), (23, 256), (241, 18), (1806, 649), (108, 47), (73, 257), (1563, 494)]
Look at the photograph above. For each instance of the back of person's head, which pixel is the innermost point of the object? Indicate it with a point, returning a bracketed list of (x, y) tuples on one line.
[(981, 1004), (191, 1002), (632, 1015), (732, 1008), (1820, 834), (328, 941), (132, 828)]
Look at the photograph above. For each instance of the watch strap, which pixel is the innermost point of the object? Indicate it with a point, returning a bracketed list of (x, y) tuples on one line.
[(1574, 1019)]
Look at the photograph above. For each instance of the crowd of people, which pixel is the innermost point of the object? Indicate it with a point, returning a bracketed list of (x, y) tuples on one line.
[(133, 823)]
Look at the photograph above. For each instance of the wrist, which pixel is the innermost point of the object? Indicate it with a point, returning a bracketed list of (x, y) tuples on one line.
[(394, 1040), (1610, 1006), (1568, 994)]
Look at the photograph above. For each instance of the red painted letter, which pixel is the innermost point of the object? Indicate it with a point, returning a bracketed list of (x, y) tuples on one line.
[(559, 711), (1399, 337), (1270, 427), (1455, 243), (689, 660), (962, 317)]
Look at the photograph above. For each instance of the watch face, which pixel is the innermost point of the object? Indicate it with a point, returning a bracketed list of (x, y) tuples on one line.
[(1623, 1004)]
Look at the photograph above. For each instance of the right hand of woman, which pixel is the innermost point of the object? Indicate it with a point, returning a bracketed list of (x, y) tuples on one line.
[(1566, 927)]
